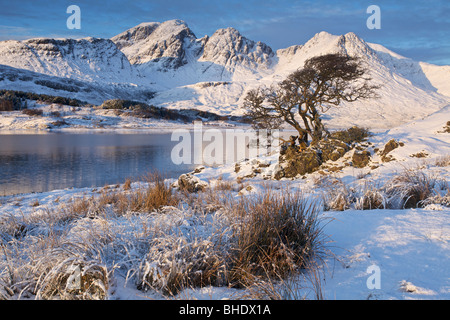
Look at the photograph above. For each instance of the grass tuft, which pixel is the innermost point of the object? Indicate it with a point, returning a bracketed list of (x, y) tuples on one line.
[(275, 237)]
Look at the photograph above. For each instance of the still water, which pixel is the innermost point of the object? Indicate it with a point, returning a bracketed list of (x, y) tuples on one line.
[(44, 162)]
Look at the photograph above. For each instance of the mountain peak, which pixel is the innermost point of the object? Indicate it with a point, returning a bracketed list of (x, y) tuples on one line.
[(151, 29), (175, 22), (353, 38), (227, 31), (153, 40), (135, 34), (229, 48), (173, 27), (353, 45), (352, 35), (323, 35)]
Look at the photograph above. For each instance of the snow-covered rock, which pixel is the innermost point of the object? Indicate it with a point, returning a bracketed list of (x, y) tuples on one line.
[(164, 43), (227, 47)]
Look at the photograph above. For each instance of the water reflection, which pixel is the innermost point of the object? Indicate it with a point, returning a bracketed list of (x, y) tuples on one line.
[(37, 163)]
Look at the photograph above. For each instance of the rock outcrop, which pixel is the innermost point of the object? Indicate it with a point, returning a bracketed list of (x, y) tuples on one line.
[(360, 159)]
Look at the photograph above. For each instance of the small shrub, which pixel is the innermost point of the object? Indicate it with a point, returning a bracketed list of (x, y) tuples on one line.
[(78, 208), (336, 195), (117, 104), (35, 203), (59, 123), (33, 112), (127, 185), (338, 203), (191, 183), (442, 161), (441, 199), (6, 105), (73, 278), (361, 159), (55, 114), (175, 263), (222, 185), (446, 128), (351, 135), (371, 199), (421, 154), (390, 145)]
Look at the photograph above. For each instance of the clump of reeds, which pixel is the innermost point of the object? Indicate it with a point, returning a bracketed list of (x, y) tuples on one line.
[(410, 188), (276, 236), (175, 263), (156, 195), (266, 238)]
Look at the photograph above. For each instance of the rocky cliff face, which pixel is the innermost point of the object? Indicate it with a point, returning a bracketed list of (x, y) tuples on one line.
[(157, 42), (135, 35), (173, 45), (88, 59), (227, 47)]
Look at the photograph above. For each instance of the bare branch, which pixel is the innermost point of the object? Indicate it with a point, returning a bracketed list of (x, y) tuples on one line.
[(323, 82)]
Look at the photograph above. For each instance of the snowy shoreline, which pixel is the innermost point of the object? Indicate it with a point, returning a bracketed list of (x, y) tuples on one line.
[(58, 118)]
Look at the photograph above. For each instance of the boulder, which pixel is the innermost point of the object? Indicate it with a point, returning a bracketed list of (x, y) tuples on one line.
[(391, 145), (294, 163), (191, 183), (361, 159), (332, 149)]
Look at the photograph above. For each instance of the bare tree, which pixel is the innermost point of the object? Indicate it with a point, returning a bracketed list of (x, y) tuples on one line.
[(324, 81), (261, 117)]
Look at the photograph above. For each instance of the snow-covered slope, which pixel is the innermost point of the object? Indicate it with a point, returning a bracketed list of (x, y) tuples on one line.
[(89, 91), (87, 59), (214, 72), (438, 76)]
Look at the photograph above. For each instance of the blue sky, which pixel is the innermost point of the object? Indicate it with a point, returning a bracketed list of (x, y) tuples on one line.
[(417, 29)]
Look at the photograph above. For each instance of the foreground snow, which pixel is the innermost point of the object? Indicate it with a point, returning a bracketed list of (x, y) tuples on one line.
[(409, 247)]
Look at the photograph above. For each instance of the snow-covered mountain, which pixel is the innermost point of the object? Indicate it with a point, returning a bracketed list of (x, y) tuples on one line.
[(410, 89), (165, 43), (88, 59), (171, 55), (213, 73)]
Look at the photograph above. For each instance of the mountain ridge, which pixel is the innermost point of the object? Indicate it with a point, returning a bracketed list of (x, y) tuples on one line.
[(213, 73)]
